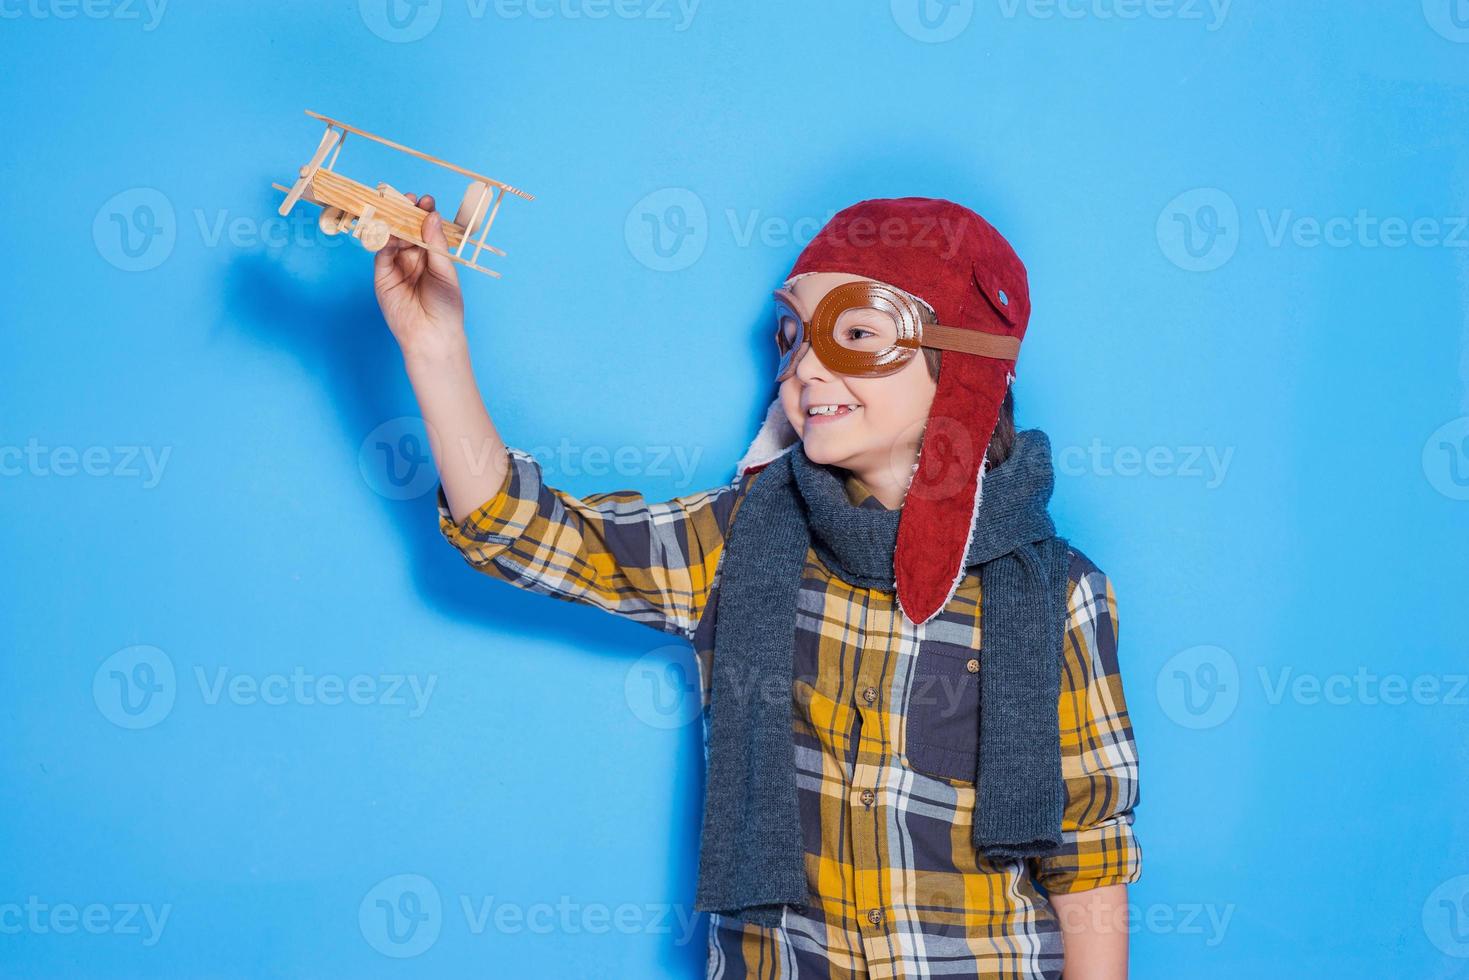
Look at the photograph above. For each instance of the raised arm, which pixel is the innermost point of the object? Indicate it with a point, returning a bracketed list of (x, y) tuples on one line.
[(650, 562), (418, 291)]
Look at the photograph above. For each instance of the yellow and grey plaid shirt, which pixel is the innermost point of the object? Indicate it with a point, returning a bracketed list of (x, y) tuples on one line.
[(886, 715)]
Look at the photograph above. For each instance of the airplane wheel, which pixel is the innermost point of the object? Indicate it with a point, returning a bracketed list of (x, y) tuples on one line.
[(375, 235), (331, 220)]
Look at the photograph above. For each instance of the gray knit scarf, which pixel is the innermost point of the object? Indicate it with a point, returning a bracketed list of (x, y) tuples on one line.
[(751, 859)]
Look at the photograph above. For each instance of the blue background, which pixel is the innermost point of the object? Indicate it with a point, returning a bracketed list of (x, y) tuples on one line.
[(1158, 172)]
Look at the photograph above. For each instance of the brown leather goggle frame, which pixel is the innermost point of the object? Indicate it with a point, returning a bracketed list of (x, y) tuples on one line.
[(915, 330)]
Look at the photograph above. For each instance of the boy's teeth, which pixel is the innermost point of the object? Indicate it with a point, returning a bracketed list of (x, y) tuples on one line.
[(829, 409)]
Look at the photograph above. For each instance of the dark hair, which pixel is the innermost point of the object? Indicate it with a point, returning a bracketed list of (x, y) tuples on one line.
[(1002, 443)]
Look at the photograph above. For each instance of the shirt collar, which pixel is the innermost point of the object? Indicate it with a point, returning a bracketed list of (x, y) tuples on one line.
[(859, 495)]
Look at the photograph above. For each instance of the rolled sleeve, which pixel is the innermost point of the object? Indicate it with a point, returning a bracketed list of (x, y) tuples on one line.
[(1098, 752), (496, 524), (650, 562)]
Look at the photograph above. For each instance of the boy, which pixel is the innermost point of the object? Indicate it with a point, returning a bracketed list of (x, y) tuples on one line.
[(885, 534)]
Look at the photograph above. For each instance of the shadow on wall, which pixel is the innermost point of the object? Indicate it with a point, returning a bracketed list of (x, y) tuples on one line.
[(332, 324)]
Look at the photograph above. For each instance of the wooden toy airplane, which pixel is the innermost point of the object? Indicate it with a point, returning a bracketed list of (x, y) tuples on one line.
[(373, 215)]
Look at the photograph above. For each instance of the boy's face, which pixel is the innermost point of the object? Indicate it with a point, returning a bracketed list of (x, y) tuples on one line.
[(884, 425)]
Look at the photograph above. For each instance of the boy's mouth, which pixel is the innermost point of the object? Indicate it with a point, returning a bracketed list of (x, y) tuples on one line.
[(828, 413)]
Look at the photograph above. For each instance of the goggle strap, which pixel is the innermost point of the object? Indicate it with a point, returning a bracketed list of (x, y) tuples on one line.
[(971, 342)]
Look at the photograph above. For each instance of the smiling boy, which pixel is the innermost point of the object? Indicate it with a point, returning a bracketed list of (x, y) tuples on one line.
[(919, 757)]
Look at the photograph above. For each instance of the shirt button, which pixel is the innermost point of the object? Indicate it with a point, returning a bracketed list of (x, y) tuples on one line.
[(973, 665), (874, 916), (869, 695), (867, 797)]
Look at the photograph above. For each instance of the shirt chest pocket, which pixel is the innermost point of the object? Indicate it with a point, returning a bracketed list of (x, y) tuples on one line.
[(941, 727)]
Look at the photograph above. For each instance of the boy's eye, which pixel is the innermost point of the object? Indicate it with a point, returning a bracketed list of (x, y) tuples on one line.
[(866, 330), (789, 329)]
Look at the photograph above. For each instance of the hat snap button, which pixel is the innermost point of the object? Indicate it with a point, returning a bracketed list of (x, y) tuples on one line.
[(1004, 299)]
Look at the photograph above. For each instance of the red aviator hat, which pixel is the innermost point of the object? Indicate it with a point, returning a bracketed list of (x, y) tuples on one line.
[(951, 258)]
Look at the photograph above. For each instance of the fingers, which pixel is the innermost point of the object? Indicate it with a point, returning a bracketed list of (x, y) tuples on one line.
[(439, 262)]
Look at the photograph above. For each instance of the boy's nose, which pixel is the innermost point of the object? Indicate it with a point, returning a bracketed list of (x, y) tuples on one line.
[(808, 365)]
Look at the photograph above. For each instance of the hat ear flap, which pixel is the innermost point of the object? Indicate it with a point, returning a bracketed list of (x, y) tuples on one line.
[(776, 436)]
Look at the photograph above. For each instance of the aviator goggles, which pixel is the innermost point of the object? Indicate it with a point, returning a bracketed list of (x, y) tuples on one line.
[(869, 329)]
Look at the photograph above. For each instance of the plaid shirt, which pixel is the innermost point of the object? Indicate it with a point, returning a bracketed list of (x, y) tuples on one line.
[(885, 720)]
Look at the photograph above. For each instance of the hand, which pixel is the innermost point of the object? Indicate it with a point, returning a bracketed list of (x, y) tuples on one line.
[(418, 289)]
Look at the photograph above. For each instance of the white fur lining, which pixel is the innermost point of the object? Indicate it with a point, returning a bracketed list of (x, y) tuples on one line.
[(775, 438), (984, 465)]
